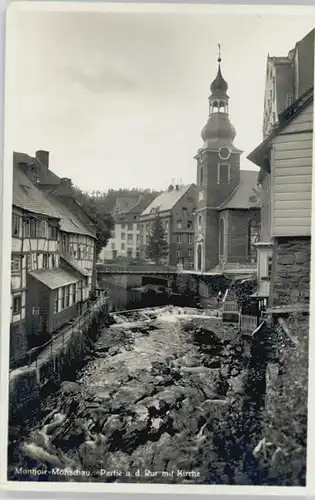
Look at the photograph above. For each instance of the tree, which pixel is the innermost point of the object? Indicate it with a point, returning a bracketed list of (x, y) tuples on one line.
[(96, 210), (157, 247)]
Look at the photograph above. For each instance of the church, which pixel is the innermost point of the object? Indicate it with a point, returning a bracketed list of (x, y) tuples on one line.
[(227, 217)]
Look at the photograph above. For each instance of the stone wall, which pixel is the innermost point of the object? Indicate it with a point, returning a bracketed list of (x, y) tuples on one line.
[(290, 281)]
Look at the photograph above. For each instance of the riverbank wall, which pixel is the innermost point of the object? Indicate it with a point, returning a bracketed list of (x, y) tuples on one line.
[(59, 361)]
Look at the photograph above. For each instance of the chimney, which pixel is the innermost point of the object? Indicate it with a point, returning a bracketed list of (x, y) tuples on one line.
[(43, 158), (177, 187), (170, 188)]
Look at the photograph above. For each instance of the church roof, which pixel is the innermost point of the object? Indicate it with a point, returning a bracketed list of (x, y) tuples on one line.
[(166, 200), (243, 197)]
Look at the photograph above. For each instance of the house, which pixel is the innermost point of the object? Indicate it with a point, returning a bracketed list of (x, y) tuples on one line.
[(53, 254), (176, 208), (285, 181), (227, 218), (125, 240), (287, 79)]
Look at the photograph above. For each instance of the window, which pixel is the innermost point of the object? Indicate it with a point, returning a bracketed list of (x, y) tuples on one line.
[(223, 173), (129, 227), (123, 236), (199, 221), (73, 293), (138, 227), (269, 266), (122, 246), (45, 261), (17, 304), (179, 224), (138, 238), (190, 253), (33, 228), (288, 100), (26, 228), (222, 239), (42, 229), (15, 263), (123, 226), (166, 225), (190, 238), (62, 297), (147, 227), (53, 261), (141, 240), (273, 118), (56, 302), (67, 296), (29, 262), (16, 222), (189, 224), (179, 238), (52, 232), (130, 239), (129, 252), (35, 311), (178, 254), (201, 176)]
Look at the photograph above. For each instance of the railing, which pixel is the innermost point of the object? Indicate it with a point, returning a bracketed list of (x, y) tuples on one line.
[(248, 323), (231, 306), (59, 338), (131, 269)]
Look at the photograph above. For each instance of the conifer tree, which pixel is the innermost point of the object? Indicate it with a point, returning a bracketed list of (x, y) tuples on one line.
[(157, 247)]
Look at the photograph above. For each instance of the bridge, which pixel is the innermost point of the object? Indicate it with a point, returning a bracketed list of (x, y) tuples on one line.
[(232, 270)]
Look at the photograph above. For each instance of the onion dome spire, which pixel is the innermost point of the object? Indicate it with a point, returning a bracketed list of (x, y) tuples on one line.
[(219, 86)]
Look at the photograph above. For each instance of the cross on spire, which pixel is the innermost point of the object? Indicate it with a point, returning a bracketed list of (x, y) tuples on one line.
[(219, 49)]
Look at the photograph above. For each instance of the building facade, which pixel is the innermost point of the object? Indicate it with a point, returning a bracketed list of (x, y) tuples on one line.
[(176, 208), (227, 218), (126, 237), (53, 255), (287, 79), (285, 160)]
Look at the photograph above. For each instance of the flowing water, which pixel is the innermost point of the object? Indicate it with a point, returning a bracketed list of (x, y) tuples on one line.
[(149, 405)]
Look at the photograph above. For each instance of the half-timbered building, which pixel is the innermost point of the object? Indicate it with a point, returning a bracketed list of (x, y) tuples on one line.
[(53, 257)]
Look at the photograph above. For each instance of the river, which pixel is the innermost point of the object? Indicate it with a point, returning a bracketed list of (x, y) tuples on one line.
[(158, 400)]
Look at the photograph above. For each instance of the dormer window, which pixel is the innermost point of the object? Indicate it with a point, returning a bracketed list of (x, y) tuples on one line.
[(224, 175)]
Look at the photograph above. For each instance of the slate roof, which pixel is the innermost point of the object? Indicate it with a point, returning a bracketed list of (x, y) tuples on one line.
[(69, 222), (243, 196), (167, 200), (74, 264), (30, 197), (54, 278), (27, 196)]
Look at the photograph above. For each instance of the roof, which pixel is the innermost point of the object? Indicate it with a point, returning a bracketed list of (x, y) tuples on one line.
[(258, 155), (166, 200), (54, 278), (27, 196), (243, 197), (69, 222), (74, 264), (125, 202)]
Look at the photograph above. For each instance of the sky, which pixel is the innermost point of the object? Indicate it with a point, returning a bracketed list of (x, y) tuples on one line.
[(119, 99)]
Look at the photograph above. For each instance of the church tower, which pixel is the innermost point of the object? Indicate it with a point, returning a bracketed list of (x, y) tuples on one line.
[(218, 175)]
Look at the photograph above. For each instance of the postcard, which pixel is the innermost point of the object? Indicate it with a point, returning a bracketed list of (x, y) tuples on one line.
[(158, 178)]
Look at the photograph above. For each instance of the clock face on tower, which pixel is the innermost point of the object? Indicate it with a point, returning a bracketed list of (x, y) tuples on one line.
[(224, 153)]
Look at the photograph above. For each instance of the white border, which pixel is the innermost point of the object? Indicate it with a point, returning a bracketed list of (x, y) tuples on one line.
[(5, 280)]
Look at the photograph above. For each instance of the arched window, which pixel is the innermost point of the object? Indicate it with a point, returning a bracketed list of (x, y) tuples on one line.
[(199, 257), (199, 221), (222, 238), (215, 107), (222, 107)]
